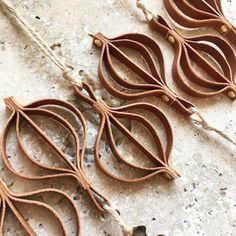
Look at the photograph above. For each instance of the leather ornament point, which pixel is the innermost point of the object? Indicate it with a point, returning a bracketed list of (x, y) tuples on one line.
[(175, 175), (12, 104)]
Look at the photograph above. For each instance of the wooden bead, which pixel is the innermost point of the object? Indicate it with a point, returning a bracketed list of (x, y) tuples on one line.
[(231, 94), (98, 43), (171, 39), (165, 98), (224, 28)]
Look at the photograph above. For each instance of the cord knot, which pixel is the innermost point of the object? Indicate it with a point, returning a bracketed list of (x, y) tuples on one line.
[(140, 4), (67, 74), (148, 14)]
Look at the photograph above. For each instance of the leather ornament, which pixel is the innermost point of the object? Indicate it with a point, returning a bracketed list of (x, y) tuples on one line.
[(188, 50), (154, 82), (201, 13), (110, 117), (74, 170), (10, 201)]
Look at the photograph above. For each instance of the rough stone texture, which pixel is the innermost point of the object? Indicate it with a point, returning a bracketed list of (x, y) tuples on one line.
[(201, 202)]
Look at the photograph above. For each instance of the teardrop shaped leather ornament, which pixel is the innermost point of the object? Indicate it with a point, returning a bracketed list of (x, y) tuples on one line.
[(10, 202), (74, 170), (110, 117), (188, 50), (201, 13), (154, 83)]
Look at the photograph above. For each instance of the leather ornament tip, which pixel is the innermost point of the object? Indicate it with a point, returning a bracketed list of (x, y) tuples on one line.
[(98, 40), (174, 175), (12, 104)]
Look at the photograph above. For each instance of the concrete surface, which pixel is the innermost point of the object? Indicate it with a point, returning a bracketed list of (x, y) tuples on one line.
[(201, 202)]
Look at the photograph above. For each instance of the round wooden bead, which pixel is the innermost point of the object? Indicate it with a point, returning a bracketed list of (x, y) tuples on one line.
[(165, 98), (171, 39), (224, 28), (98, 43), (231, 94)]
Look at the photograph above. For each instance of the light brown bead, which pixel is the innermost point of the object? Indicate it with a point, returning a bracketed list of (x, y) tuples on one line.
[(98, 43), (171, 39), (165, 98), (224, 28), (231, 94)]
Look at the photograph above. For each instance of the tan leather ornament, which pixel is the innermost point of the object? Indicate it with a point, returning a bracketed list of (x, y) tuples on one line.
[(154, 83), (110, 117), (188, 50), (74, 170), (201, 13), (10, 201)]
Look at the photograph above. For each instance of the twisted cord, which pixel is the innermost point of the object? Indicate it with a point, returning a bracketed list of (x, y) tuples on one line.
[(205, 125), (127, 230), (148, 14), (36, 38)]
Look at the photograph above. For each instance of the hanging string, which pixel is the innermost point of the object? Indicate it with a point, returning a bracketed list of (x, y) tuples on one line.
[(66, 70), (148, 14), (202, 122), (36, 38), (127, 231)]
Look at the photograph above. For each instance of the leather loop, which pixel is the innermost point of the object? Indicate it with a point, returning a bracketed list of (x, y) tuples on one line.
[(201, 13), (188, 50), (154, 82)]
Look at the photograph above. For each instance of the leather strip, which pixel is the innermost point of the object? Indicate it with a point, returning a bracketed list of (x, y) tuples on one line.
[(10, 200), (110, 117), (187, 50), (201, 13), (154, 83), (74, 170)]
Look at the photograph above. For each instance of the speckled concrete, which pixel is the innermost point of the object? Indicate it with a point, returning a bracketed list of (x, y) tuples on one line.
[(201, 202)]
